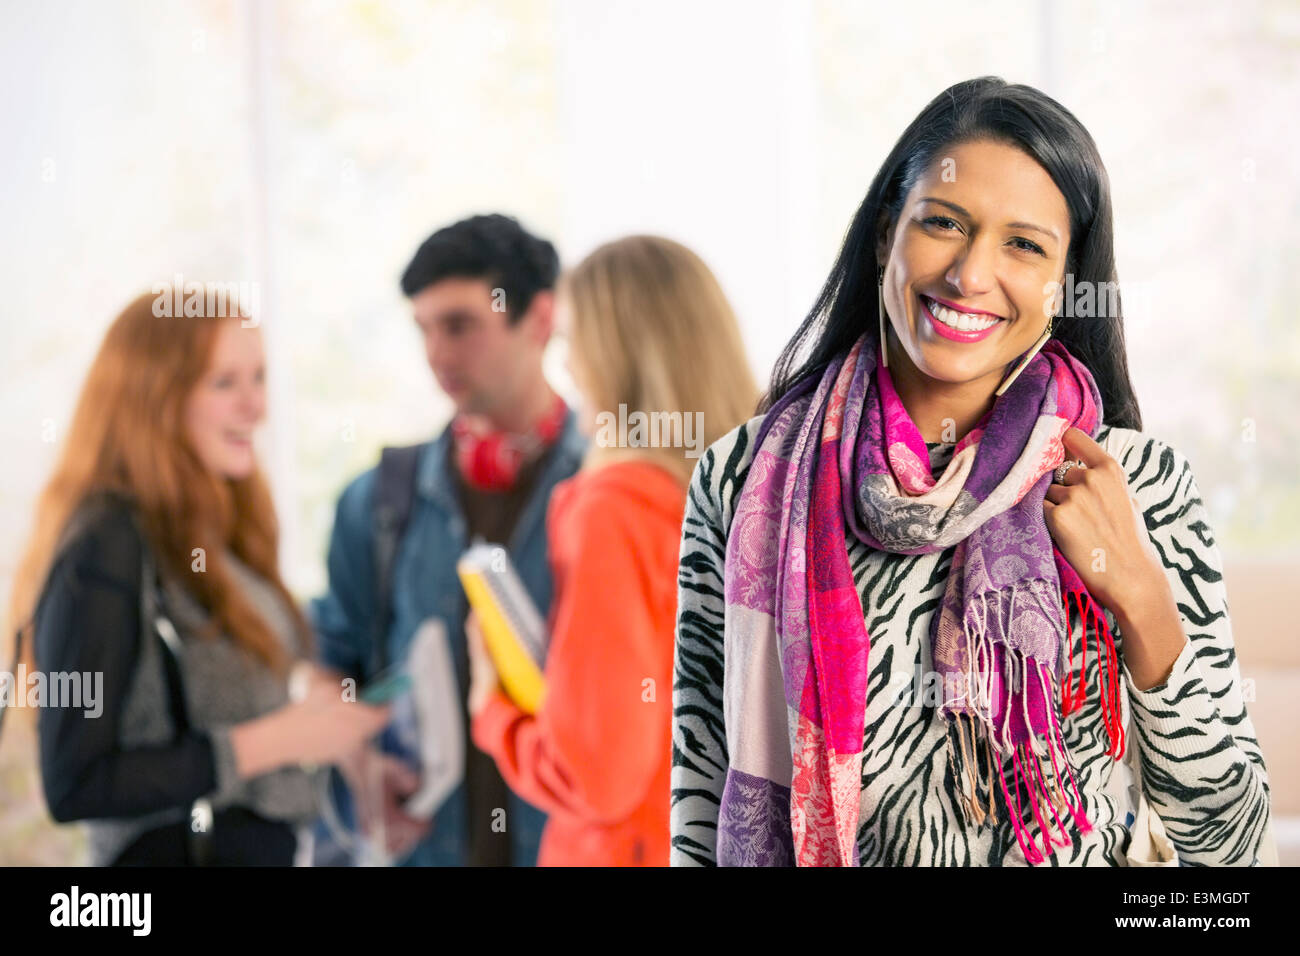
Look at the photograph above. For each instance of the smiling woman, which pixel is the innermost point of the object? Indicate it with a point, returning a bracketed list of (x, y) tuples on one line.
[(950, 240), (893, 509), (228, 402), (156, 530)]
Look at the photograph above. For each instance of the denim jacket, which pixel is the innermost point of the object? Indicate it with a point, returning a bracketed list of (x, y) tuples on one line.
[(425, 584)]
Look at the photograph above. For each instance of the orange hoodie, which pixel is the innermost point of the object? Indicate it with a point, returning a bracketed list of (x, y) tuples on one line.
[(598, 754)]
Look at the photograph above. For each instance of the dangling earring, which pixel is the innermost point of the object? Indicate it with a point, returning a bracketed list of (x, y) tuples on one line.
[(880, 309), (1042, 340)]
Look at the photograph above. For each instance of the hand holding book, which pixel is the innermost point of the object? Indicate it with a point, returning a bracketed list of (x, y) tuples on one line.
[(511, 635)]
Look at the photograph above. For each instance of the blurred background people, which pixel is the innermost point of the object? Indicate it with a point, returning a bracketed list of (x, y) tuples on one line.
[(318, 183), (481, 291), (652, 339), (198, 754)]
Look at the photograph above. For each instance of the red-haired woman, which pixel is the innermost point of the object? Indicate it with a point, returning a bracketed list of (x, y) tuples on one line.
[(153, 562)]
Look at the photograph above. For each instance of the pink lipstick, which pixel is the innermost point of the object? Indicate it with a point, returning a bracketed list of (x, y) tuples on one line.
[(956, 335)]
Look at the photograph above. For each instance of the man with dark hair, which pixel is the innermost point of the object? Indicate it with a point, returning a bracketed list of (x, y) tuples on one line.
[(481, 291)]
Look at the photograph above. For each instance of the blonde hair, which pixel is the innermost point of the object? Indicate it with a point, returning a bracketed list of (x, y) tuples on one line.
[(652, 331)]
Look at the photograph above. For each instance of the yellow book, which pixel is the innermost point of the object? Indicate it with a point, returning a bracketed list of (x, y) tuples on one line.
[(513, 630)]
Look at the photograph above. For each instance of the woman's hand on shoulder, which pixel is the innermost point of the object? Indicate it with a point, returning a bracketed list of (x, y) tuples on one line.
[(1099, 527)]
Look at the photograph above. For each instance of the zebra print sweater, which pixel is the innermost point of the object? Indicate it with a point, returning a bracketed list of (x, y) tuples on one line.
[(1201, 766)]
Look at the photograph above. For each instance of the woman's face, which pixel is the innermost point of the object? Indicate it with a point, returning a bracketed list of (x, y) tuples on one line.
[(228, 402), (985, 232)]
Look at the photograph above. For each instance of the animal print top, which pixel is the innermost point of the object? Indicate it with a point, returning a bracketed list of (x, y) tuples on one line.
[(1202, 768)]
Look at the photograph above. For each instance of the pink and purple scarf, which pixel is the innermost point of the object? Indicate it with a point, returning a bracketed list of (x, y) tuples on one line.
[(796, 644)]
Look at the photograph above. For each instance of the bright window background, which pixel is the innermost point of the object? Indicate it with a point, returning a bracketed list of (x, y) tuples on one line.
[(311, 147)]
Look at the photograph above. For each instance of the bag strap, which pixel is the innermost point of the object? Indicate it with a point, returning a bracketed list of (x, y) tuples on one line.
[(394, 502), (154, 621)]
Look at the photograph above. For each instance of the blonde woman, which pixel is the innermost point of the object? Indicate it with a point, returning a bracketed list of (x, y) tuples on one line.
[(657, 354), (197, 755)]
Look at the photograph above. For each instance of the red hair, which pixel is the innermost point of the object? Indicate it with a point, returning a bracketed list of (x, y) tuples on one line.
[(127, 436)]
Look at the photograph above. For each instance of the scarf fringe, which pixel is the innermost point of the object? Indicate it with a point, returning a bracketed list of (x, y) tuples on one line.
[(1046, 797), (1072, 699)]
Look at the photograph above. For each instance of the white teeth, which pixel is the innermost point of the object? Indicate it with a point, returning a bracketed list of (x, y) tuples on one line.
[(962, 321)]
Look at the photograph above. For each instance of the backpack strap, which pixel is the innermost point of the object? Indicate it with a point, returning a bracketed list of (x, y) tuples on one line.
[(394, 501)]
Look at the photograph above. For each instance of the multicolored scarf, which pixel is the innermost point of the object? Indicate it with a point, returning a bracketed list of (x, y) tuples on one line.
[(490, 459), (794, 620)]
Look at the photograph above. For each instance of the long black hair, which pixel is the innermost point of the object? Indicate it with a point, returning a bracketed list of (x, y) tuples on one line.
[(986, 108)]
